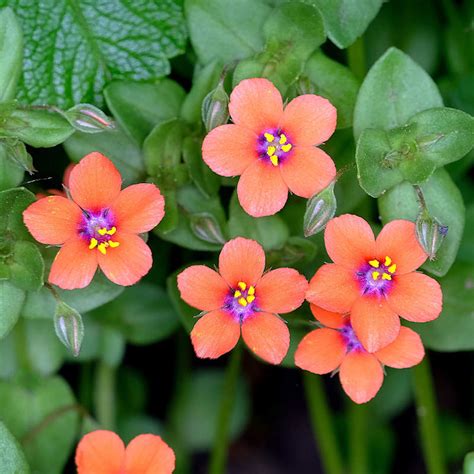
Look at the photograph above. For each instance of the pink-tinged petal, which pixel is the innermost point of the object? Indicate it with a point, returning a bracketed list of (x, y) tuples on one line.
[(202, 287), (374, 322), (321, 351), (309, 120), (307, 171), (261, 189), (149, 454), (52, 220), (361, 376), (416, 297), (74, 265), (229, 149), (267, 336), (328, 318), (256, 104), (214, 334)]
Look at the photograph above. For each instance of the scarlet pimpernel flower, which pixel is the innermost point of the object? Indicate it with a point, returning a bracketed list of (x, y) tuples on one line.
[(375, 280), (103, 452), (336, 346), (272, 147), (241, 297), (98, 226)]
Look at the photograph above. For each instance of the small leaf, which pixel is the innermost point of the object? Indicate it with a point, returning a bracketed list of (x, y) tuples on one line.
[(16, 151), (11, 174), (26, 266), (69, 327), (295, 250), (12, 204), (11, 302), (12, 459), (320, 209), (468, 466)]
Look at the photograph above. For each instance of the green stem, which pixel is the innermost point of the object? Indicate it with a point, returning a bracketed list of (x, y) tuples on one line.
[(356, 58), (358, 433), (323, 429), (221, 442), (428, 418), (104, 395)]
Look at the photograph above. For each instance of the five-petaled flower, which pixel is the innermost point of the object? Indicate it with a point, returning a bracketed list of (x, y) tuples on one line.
[(375, 280), (241, 295), (336, 346), (98, 226), (103, 452), (272, 148)]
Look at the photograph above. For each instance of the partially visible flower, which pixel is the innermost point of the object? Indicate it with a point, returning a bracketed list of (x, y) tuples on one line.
[(98, 227), (336, 347), (272, 148), (103, 452), (375, 280), (242, 297)]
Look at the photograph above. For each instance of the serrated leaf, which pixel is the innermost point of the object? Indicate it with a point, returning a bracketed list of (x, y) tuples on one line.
[(12, 459), (11, 302)]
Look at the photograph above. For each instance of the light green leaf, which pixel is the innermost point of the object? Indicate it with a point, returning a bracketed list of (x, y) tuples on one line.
[(468, 467), (11, 174), (12, 460), (11, 302)]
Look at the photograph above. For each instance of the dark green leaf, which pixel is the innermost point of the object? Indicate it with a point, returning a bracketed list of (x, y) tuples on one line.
[(17, 153), (11, 302), (11, 174), (12, 204), (26, 266), (12, 459), (186, 313), (112, 346)]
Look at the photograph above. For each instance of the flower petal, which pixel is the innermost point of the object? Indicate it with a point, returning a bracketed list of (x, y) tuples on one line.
[(202, 287), (52, 220), (405, 351), (229, 149), (374, 322), (349, 241), (307, 171), (100, 452), (321, 351), (281, 291), (267, 336), (256, 104), (361, 376), (149, 454), (397, 240), (94, 182), (309, 120), (328, 318), (334, 288), (138, 208), (241, 260), (214, 334), (416, 297), (126, 264), (74, 265), (261, 189)]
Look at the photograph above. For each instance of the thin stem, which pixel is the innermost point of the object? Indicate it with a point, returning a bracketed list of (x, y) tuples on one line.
[(420, 196), (321, 420), (358, 433), (356, 58), (221, 442), (104, 395), (428, 418)]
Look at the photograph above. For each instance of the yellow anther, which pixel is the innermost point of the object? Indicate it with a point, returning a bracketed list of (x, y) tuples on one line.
[(242, 285), (102, 231), (243, 301), (386, 276), (271, 150), (287, 147), (251, 290), (269, 137), (282, 139), (250, 298), (388, 261), (374, 263), (375, 275), (112, 231), (237, 294), (274, 160), (113, 244), (392, 268), (102, 248), (93, 243)]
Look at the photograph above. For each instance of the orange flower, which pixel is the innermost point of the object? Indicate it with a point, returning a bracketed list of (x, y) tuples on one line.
[(336, 346), (273, 149), (375, 280), (242, 296), (98, 227), (103, 452)]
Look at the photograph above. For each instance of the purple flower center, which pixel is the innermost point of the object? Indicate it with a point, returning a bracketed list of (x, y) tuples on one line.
[(376, 276), (97, 228), (350, 338), (240, 302), (273, 146)]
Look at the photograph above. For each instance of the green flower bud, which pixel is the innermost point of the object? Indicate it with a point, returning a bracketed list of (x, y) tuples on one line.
[(69, 327), (430, 233), (88, 119), (206, 227), (214, 108), (320, 209)]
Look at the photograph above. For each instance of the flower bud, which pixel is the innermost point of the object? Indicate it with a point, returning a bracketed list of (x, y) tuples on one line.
[(214, 108), (88, 119), (320, 209), (69, 327), (206, 227), (430, 233), (305, 86)]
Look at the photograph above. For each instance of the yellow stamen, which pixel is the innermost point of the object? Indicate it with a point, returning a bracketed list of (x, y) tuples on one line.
[(102, 231), (93, 243), (113, 244), (251, 290), (243, 301), (250, 298), (102, 248), (374, 263), (375, 275), (271, 150), (392, 268), (287, 147), (386, 276), (388, 261), (274, 160), (282, 139), (242, 285), (237, 294), (112, 231), (269, 137)]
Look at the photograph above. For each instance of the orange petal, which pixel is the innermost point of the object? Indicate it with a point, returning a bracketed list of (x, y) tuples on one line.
[(321, 351), (126, 264), (405, 351), (74, 265), (139, 208), (261, 189), (202, 287), (334, 288), (149, 454), (374, 322), (309, 120), (214, 334), (416, 297), (94, 182), (67, 173), (241, 260), (256, 104), (397, 240), (281, 291), (349, 241), (229, 149), (307, 171), (267, 336), (328, 318), (52, 220), (100, 452), (361, 376)]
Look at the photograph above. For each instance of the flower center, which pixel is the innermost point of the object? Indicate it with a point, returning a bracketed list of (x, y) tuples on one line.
[(241, 301), (244, 296), (97, 228), (274, 146), (376, 276)]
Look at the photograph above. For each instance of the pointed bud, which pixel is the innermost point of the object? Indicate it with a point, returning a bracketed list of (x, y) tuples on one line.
[(214, 108), (305, 86), (88, 119), (206, 227), (320, 209), (69, 327), (430, 233)]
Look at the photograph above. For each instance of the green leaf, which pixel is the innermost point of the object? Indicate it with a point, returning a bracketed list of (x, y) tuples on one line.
[(12, 459), (26, 266), (11, 302), (73, 48), (12, 204), (18, 154), (11, 174), (112, 347), (394, 90), (468, 466), (466, 249)]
